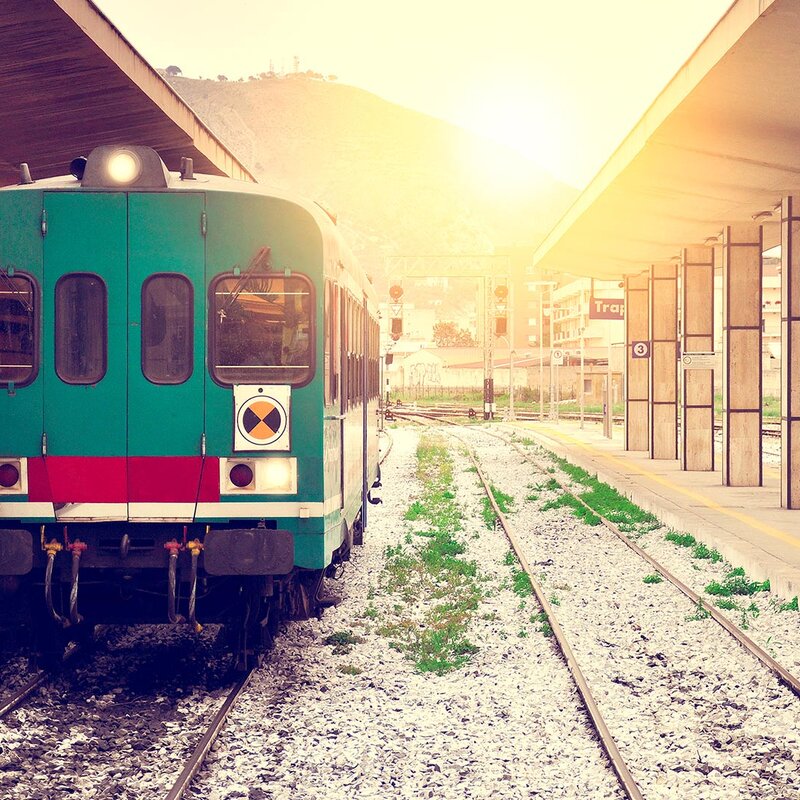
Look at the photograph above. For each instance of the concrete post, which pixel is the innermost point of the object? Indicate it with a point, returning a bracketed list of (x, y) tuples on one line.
[(664, 361), (637, 374), (697, 418), (790, 352), (741, 355)]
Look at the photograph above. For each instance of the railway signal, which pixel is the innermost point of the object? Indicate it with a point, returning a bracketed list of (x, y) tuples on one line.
[(396, 311), (501, 310)]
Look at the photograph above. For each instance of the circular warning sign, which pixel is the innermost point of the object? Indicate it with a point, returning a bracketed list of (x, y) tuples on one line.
[(261, 420)]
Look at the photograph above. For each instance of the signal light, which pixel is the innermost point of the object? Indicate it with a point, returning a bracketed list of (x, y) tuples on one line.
[(397, 328), (241, 475), (395, 292), (501, 291), (9, 475)]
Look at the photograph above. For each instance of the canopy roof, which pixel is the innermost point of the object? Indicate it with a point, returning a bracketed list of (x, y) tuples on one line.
[(71, 81), (718, 145)]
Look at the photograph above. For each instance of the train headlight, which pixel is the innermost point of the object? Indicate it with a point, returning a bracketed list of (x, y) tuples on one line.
[(124, 167), (280, 475), (9, 475)]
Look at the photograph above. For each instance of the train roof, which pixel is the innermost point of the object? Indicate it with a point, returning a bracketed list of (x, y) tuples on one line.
[(331, 235)]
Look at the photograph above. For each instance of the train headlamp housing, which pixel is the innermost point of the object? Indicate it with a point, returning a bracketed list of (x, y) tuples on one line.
[(269, 475), (13, 476), (124, 167)]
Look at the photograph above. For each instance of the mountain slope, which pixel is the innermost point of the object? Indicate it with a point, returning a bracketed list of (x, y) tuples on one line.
[(402, 183)]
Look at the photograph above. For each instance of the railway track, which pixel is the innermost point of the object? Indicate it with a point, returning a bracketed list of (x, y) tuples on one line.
[(768, 430), (607, 741), (195, 761), (623, 772)]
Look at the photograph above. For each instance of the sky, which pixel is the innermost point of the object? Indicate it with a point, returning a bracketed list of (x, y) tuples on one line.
[(561, 81)]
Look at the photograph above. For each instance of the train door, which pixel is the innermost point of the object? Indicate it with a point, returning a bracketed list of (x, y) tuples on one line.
[(85, 353), (166, 346)]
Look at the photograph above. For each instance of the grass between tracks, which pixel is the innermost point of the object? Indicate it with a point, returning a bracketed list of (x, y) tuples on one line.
[(630, 518), (429, 567)]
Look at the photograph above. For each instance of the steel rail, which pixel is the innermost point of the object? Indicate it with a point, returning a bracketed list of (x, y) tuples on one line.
[(24, 692), (198, 756), (607, 741), (18, 697), (452, 410), (789, 680), (781, 673), (201, 750)]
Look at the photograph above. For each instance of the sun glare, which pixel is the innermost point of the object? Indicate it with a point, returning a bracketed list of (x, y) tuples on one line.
[(510, 119)]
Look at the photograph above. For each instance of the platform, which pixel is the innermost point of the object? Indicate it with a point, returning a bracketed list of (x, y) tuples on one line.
[(746, 525)]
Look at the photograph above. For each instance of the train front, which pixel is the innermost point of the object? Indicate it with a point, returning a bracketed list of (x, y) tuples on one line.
[(161, 444)]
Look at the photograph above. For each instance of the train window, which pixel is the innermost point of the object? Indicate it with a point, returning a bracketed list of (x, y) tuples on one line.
[(167, 329), (81, 321), (336, 338), (261, 329), (18, 329)]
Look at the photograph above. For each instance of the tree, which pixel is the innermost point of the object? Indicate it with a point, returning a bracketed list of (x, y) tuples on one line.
[(222, 77), (446, 334), (172, 70)]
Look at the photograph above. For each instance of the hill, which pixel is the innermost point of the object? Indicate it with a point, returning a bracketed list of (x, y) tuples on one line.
[(401, 182)]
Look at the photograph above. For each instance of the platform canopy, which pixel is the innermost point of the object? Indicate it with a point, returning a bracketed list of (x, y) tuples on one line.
[(720, 144), (71, 81)]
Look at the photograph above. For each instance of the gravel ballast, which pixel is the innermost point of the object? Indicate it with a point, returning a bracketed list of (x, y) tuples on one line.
[(693, 713), (363, 722)]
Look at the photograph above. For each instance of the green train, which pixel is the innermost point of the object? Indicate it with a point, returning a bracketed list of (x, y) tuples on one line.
[(189, 380)]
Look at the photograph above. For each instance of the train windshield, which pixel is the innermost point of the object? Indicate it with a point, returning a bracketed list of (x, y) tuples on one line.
[(262, 329), (17, 330)]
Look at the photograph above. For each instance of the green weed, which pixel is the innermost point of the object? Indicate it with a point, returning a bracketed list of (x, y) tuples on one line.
[(430, 567), (579, 510), (736, 582), (654, 577), (701, 551), (681, 539), (342, 641), (521, 583), (791, 605), (700, 613)]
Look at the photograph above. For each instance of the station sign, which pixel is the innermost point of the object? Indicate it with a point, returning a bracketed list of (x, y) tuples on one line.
[(600, 308), (699, 360), (640, 349)]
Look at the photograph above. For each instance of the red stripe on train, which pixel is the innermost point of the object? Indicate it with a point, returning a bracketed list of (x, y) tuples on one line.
[(111, 479)]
